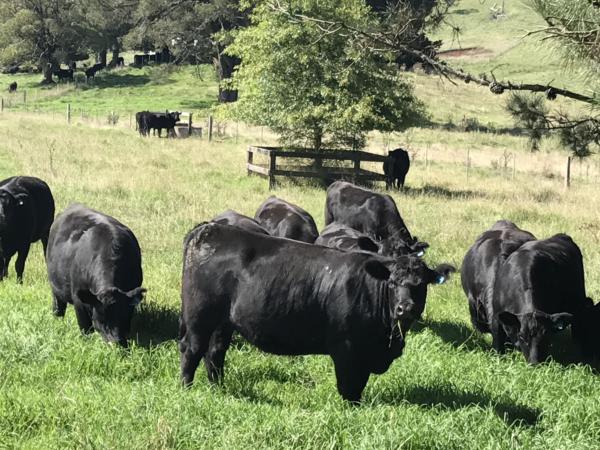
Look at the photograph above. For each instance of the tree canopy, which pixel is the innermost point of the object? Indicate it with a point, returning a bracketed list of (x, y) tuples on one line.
[(316, 87)]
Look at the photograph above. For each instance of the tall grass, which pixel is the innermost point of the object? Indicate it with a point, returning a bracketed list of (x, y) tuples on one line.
[(449, 390)]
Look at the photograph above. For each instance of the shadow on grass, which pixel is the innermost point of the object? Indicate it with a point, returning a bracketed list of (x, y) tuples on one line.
[(446, 396), (108, 80), (457, 334), (431, 190), (153, 324)]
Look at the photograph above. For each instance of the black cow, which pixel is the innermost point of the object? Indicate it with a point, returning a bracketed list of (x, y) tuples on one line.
[(396, 167), (235, 219), (159, 121), (90, 73), (95, 263), (539, 289), (340, 236), (12, 87), (292, 298), (481, 264), (284, 219), (140, 122), (373, 214), (64, 74), (26, 214)]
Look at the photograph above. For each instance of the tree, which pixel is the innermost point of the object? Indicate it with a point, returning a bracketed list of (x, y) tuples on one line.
[(315, 86), (103, 23), (39, 33), (573, 25)]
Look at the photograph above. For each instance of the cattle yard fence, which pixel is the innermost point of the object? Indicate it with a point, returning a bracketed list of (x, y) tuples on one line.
[(325, 165)]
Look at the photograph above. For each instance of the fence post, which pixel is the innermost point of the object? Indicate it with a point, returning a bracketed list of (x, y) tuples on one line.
[(210, 127), (24, 97), (68, 113), (272, 165), (2, 104), (250, 159), (190, 124), (568, 173), (468, 161), (514, 166), (356, 169)]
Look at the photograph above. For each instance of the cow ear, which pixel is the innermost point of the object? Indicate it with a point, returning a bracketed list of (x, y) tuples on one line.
[(377, 270), (510, 322), (21, 199), (367, 244), (560, 321), (441, 273), (419, 247), (136, 296)]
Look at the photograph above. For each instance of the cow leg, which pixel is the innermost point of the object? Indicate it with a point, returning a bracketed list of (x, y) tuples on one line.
[(193, 347), (214, 360), (58, 306), (45, 242), (351, 375), (5, 268), (20, 263), (498, 336), (84, 318)]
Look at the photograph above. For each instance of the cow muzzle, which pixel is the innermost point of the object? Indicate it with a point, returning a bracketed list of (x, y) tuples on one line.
[(405, 311)]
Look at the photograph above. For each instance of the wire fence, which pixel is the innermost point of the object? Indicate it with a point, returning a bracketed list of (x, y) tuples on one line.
[(500, 162)]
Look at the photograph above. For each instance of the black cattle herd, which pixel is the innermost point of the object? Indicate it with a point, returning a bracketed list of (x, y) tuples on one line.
[(351, 292)]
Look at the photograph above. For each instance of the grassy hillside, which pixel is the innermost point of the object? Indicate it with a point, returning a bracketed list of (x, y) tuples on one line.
[(61, 390)]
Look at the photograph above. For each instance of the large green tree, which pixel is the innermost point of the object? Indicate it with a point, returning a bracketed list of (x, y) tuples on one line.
[(314, 86), (38, 33)]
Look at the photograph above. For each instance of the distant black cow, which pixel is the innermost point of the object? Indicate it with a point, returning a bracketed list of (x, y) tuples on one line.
[(90, 73), (396, 167), (373, 214), (539, 289), (340, 236), (292, 298), (141, 124), (120, 61), (158, 121), (64, 74), (235, 219), (94, 263), (26, 214), (481, 264), (284, 219), (12, 87)]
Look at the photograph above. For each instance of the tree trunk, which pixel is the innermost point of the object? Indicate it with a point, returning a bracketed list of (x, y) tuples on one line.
[(47, 70), (114, 62), (102, 57), (318, 139)]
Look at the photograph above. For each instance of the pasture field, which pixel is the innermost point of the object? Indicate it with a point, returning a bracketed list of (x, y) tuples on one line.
[(448, 391)]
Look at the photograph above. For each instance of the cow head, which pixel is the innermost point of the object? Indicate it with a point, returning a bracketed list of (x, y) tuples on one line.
[(175, 115), (401, 243), (10, 206), (407, 279), (531, 331), (112, 310)]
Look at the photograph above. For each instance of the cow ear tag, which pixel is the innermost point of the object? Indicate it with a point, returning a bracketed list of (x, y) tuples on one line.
[(421, 253), (440, 279), (20, 203)]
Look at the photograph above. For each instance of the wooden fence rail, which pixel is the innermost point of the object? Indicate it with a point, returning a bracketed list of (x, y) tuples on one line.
[(314, 168)]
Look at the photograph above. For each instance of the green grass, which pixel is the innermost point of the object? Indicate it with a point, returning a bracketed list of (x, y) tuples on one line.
[(121, 90), (449, 390)]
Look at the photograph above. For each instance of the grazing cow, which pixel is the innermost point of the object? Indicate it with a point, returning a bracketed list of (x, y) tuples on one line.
[(340, 236), (64, 74), (90, 73), (481, 264), (235, 219), (292, 298), (26, 214), (284, 219), (373, 214), (12, 87), (94, 263), (539, 289), (396, 167)]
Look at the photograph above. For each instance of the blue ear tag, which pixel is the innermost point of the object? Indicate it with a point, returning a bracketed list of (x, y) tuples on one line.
[(559, 326), (421, 253), (440, 279)]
